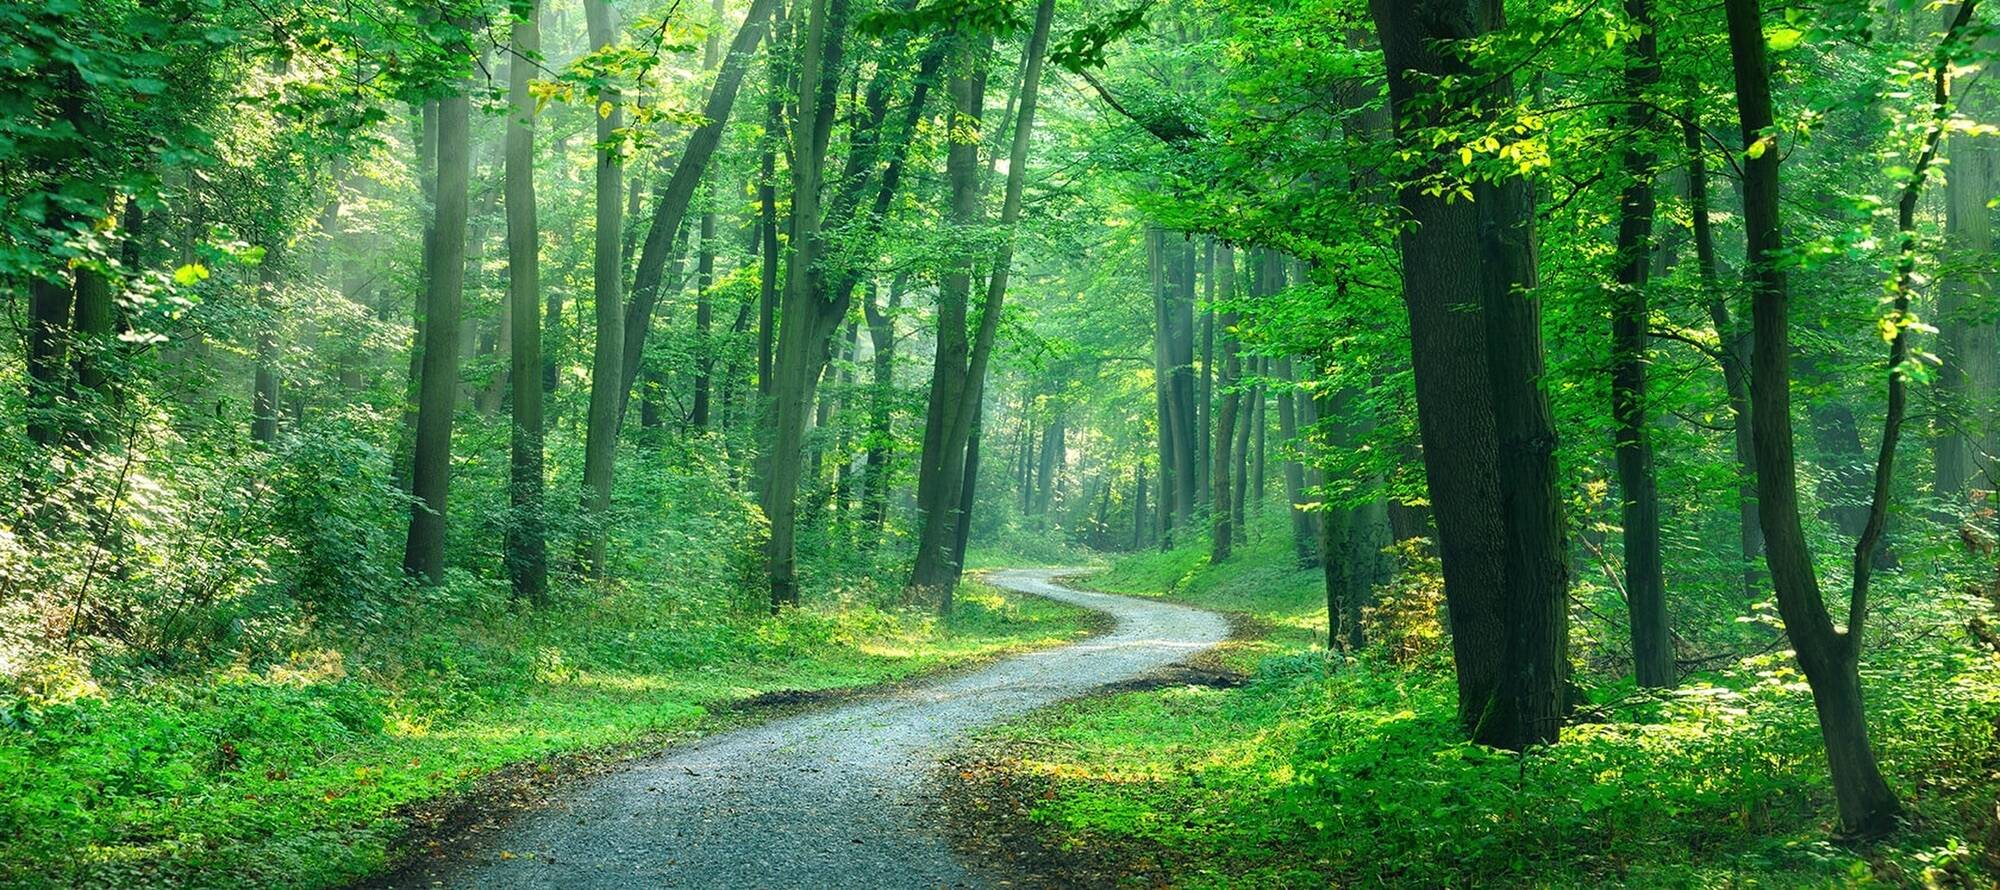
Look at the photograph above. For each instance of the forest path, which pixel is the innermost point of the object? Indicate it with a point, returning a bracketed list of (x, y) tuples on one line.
[(834, 798)]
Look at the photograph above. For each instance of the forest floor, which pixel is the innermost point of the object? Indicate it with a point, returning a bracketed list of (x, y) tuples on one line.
[(323, 768), (838, 796), (1277, 767)]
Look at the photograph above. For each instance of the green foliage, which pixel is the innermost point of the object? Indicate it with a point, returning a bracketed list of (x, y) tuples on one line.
[(1353, 771), (295, 770)]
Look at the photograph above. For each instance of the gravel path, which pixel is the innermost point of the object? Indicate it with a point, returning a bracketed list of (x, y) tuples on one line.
[(834, 798)]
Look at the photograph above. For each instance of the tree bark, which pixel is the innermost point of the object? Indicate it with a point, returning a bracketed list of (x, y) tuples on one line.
[(1828, 657), (937, 570), (1491, 546), (1645, 582), (437, 397), (527, 548), (600, 448), (1222, 509)]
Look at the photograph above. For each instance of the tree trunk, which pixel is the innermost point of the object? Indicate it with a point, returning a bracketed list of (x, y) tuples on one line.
[(1645, 582), (663, 232), (600, 449), (881, 417), (1735, 360), (935, 570), (1827, 657), (527, 548), (437, 397), (1445, 253), (1289, 408), (942, 466), (1222, 510), (1968, 346), (704, 310)]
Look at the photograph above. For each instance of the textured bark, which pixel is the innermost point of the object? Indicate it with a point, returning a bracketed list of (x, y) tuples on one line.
[(437, 397), (1454, 385), (1828, 657), (607, 395), (527, 547), (1645, 581)]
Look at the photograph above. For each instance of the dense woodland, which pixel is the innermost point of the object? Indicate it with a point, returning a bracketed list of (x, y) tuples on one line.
[(401, 389)]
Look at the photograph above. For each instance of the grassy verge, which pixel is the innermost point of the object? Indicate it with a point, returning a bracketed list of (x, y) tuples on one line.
[(1352, 773), (294, 773)]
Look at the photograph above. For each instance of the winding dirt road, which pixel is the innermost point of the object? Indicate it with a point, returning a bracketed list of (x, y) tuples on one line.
[(833, 798)]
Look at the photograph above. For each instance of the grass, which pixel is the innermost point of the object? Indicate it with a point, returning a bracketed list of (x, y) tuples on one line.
[(1352, 772), (293, 773)]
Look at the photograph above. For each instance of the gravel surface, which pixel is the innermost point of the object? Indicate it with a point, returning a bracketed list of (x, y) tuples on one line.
[(834, 798)]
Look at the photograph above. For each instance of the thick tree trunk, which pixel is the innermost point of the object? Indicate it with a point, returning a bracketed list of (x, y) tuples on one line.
[(1645, 582), (1827, 656), (437, 397), (1499, 575), (527, 547)]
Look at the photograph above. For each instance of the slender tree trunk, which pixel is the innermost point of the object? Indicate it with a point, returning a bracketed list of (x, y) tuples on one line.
[(881, 407), (704, 309), (937, 523), (943, 463), (1645, 582), (663, 231), (1303, 543), (1735, 360), (600, 450), (527, 548), (1222, 500), (437, 399), (1828, 657), (809, 321)]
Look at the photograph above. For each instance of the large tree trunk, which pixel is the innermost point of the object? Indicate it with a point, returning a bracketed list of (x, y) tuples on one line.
[(1968, 346), (1645, 582), (1504, 580), (600, 448), (527, 549), (1827, 656), (437, 396)]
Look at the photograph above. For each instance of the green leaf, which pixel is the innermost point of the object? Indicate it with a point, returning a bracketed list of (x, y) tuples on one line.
[(190, 274)]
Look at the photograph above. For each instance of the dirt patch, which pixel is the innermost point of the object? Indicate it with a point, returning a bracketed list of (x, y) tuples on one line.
[(988, 805)]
